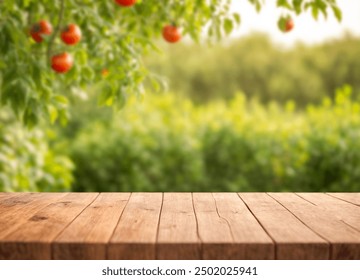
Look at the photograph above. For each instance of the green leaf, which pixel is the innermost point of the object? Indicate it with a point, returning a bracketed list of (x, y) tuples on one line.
[(283, 4), (228, 26), (106, 96), (53, 113), (237, 18), (30, 117), (297, 4), (337, 12), (315, 12), (88, 73), (61, 100), (121, 98)]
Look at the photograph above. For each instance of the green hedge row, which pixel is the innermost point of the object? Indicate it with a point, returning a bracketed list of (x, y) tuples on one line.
[(169, 144), (258, 67)]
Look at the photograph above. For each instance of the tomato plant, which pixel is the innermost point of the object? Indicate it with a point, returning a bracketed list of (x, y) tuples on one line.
[(112, 37)]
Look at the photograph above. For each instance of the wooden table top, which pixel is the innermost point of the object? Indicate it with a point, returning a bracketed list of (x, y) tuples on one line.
[(180, 226)]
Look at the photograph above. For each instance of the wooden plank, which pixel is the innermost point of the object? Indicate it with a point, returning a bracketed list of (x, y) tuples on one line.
[(214, 232), (6, 195), (250, 238), (344, 239), (177, 237), (16, 210), (353, 198), (224, 226), (87, 236), (344, 211), (33, 239), (293, 239), (135, 235)]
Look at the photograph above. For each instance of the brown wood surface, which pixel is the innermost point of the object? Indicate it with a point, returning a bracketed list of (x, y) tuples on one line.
[(214, 232), (179, 226), (16, 210), (87, 236), (228, 230), (250, 239), (177, 236), (135, 235), (293, 239), (8, 195), (344, 239), (342, 210), (353, 198), (32, 238)]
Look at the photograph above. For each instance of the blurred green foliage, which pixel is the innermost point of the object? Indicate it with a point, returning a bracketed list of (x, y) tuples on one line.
[(261, 69), (169, 144), (114, 39), (27, 163)]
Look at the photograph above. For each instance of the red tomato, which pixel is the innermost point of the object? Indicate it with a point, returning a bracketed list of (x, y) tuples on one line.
[(171, 34), (41, 29), (125, 3), (71, 35), (289, 25), (62, 63)]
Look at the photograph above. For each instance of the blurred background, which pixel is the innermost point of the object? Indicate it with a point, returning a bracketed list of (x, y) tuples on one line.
[(260, 111)]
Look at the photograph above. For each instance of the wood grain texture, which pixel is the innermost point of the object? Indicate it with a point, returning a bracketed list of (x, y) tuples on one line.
[(32, 239), (336, 208), (16, 210), (353, 198), (293, 239), (87, 236), (248, 235), (4, 195), (344, 239), (179, 226), (214, 232), (228, 230), (177, 236), (135, 235)]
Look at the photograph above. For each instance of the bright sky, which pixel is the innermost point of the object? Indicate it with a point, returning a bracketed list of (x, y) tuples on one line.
[(306, 30)]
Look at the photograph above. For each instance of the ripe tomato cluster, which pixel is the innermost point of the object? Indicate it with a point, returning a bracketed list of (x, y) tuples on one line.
[(70, 35)]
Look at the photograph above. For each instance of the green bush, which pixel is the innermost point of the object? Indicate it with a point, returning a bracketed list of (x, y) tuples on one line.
[(261, 69), (169, 144), (27, 163)]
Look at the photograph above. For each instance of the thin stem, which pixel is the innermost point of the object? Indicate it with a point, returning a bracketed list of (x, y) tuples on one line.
[(57, 28)]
